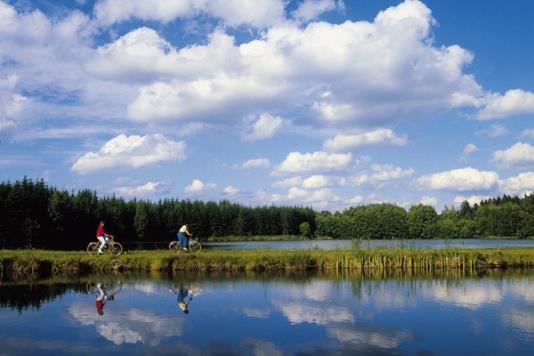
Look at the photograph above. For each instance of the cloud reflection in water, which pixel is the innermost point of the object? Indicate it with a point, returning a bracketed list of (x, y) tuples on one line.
[(131, 326)]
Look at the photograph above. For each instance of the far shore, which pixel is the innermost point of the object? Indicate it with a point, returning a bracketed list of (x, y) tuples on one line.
[(233, 238)]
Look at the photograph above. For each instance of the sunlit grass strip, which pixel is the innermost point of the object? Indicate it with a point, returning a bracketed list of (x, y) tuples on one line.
[(30, 261)]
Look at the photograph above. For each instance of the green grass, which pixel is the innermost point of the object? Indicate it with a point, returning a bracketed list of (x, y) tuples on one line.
[(32, 261)]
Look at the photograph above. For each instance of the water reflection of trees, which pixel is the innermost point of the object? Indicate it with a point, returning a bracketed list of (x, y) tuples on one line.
[(24, 296), (364, 283), (25, 293)]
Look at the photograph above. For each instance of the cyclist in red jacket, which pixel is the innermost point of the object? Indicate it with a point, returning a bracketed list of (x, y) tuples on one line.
[(101, 236)]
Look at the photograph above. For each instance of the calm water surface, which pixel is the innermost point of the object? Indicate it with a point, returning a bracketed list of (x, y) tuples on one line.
[(334, 244), (491, 313)]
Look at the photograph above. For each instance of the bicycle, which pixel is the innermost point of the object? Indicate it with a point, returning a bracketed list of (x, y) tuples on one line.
[(114, 247), (192, 245), (113, 288)]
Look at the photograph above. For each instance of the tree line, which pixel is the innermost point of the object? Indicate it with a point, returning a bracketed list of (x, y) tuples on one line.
[(506, 216), (33, 214)]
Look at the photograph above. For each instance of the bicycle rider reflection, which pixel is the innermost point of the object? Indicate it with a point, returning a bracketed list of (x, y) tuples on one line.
[(101, 298), (181, 297)]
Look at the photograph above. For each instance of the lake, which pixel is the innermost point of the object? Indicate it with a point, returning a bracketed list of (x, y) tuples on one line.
[(490, 312), (335, 244)]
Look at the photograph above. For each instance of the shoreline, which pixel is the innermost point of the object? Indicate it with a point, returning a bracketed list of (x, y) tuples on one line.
[(79, 262), (261, 238)]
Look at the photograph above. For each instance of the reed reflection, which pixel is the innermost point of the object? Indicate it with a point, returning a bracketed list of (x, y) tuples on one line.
[(22, 293)]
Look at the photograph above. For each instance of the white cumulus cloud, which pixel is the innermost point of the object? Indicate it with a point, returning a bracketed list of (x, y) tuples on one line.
[(230, 190), (131, 151), (333, 73), (316, 161), (198, 187), (323, 198), (311, 9), (513, 102), (469, 149), (322, 181), (518, 155), (462, 179), (382, 173), (231, 12), (288, 182), (127, 58), (521, 184), (147, 188), (265, 127), (35, 44), (356, 200), (256, 163), (428, 200), (143, 56), (344, 142), (229, 96), (315, 181), (12, 104)]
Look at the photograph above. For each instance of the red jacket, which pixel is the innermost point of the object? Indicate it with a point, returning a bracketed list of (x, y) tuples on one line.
[(100, 306), (100, 230)]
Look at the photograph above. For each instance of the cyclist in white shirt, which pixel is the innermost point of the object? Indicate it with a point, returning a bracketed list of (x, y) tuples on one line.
[(183, 236)]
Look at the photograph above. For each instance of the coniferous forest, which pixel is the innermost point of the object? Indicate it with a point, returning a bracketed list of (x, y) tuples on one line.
[(36, 215)]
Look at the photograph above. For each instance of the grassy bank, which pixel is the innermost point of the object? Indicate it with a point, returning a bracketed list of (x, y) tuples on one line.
[(31, 261), (55, 261)]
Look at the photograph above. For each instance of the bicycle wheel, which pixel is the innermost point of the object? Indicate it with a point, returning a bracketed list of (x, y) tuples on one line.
[(174, 245), (92, 248), (115, 248), (194, 246)]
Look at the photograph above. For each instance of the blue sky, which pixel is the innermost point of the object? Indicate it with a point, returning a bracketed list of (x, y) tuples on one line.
[(321, 103)]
